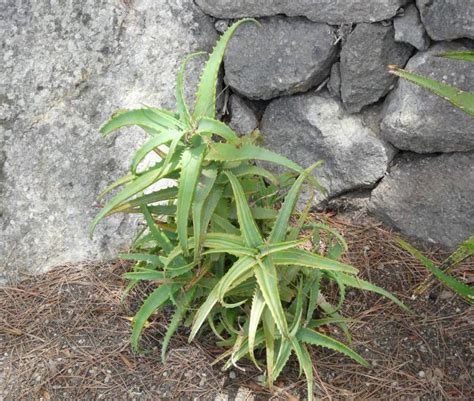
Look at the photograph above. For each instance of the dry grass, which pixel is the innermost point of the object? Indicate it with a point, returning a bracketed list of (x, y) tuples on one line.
[(65, 335)]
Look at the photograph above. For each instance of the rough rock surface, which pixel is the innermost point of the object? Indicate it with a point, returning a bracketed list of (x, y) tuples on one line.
[(65, 69), (417, 120), (334, 83), (311, 127), (329, 11), (242, 118), (429, 198), (282, 56), (447, 20), (364, 59), (409, 29)]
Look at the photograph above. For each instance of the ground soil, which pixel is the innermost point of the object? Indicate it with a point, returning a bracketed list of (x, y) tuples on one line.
[(64, 335)]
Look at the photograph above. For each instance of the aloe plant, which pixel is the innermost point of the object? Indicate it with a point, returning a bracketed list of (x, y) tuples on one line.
[(220, 245), (459, 98)]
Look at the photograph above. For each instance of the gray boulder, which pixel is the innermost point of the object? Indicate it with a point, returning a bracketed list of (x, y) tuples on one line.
[(311, 127), (409, 29), (328, 11), (364, 59), (242, 118), (429, 198), (65, 70), (282, 56), (417, 120), (447, 20)]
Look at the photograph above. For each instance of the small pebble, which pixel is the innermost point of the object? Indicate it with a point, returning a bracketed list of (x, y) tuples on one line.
[(232, 375), (421, 374)]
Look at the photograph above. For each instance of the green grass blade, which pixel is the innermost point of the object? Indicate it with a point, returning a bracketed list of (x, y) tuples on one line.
[(205, 105), (183, 110), (301, 257), (226, 152), (190, 171), (154, 301), (208, 125), (204, 187), (464, 56), (247, 223), (258, 305), (267, 279), (313, 337), (459, 98), (459, 288), (181, 309), (278, 232)]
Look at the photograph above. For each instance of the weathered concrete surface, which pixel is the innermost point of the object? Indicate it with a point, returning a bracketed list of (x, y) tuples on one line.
[(312, 127), (66, 66), (430, 198), (329, 11), (416, 119)]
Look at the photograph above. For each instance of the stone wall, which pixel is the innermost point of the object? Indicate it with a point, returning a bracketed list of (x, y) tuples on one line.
[(313, 77)]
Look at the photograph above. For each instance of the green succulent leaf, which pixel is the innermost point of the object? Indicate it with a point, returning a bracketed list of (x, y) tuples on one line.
[(208, 125), (164, 194), (280, 228), (204, 188), (301, 257), (267, 279), (258, 305), (190, 171), (313, 337), (155, 300), (119, 182), (459, 98), (356, 282), (464, 56), (139, 184), (150, 145), (154, 120), (229, 153), (183, 110), (206, 95), (181, 309)]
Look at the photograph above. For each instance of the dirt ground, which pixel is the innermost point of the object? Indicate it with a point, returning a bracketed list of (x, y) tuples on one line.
[(64, 335)]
